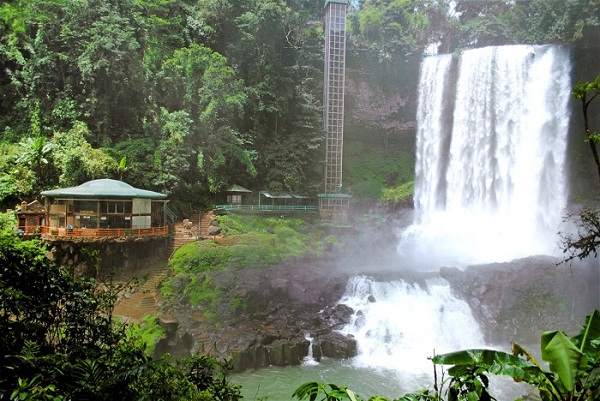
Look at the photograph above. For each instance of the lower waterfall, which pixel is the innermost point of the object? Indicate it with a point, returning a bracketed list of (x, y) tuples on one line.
[(399, 325)]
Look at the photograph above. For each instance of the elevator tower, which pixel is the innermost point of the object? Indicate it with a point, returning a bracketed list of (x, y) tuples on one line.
[(333, 203)]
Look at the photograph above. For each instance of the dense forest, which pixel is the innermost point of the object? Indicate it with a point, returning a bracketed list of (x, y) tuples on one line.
[(188, 97)]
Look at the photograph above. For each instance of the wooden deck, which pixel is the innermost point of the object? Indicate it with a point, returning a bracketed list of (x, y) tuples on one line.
[(104, 232)]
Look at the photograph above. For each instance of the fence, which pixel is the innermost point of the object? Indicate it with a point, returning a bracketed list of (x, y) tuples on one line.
[(266, 207), (105, 232)]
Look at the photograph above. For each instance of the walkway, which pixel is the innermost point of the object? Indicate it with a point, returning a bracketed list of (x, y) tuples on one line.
[(146, 299)]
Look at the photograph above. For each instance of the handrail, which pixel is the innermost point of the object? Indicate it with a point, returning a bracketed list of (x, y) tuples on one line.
[(104, 232), (266, 207), (171, 216)]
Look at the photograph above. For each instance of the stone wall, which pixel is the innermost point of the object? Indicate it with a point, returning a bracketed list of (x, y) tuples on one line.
[(117, 256)]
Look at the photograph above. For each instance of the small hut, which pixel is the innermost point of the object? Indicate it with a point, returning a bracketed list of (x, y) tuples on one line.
[(236, 194), (31, 216)]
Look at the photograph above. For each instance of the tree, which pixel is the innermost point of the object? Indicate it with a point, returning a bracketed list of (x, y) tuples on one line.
[(199, 81), (35, 154), (586, 92), (75, 158), (586, 240), (174, 150), (60, 341), (106, 71), (278, 57), (557, 21)]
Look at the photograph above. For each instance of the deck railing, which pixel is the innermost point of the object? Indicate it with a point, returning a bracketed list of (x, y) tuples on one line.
[(104, 232), (266, 207)]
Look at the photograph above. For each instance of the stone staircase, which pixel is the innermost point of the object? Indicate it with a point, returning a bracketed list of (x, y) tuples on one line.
[(143, 300), (192, 229), (204, 221)]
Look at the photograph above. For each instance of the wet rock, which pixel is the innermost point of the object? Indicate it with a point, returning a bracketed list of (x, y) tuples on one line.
[(214, 230), (337, 316), (336, 345), (518, 300)]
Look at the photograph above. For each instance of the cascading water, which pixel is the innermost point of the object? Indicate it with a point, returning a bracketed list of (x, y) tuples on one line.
[(395, 322), (490, 183), (398, 326)]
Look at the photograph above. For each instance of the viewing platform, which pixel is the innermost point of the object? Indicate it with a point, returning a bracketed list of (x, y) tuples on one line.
[(267, 208), (57, 233)]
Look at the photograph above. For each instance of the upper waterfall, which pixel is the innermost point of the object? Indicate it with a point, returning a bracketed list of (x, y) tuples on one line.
[(491, 144)]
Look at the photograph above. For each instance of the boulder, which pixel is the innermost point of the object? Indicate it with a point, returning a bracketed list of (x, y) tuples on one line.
[(335, 345), (214, 230)]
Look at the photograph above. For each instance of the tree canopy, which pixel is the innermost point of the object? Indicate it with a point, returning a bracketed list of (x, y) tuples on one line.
[(197, 95)]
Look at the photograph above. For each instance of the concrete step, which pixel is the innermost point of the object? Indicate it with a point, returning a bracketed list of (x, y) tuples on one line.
[(143, 300)]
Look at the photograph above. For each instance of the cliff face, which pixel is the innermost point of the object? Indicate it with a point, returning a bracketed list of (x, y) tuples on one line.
[(280, 308), (377, 108), (582, 170), (276, 309), (517, 301)]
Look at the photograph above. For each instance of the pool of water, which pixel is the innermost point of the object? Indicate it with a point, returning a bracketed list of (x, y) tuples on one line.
[(279, 383)]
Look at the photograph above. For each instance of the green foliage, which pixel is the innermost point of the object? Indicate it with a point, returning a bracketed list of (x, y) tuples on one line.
[(8, 222), (61, 343), (210, 376), (119, 66), (333, 392), (199, 95), (33, 389), (257, 241), (76, 159), (398, 194), (572, 362), (368, 173), (35, 154), (559, 21), (147, 332)]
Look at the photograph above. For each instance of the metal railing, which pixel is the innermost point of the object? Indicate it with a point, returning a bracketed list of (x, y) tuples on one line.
[(170, 215), (104, 232), (266, 207)]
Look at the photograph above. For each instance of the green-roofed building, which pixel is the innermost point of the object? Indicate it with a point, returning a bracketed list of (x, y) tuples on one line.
[(236, 194), (105, 207)]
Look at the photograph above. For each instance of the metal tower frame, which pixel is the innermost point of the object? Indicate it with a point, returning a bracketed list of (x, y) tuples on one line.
[(333, 203)]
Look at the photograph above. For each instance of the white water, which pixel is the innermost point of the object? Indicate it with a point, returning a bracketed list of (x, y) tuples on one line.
[(490, 181), (490, 187), (398, 325), (309, 360)]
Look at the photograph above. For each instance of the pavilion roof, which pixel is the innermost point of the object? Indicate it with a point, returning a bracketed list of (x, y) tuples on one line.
[(238, 188), (104, 188)]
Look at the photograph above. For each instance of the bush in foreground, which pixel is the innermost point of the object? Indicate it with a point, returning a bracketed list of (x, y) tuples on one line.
[(60, 342)]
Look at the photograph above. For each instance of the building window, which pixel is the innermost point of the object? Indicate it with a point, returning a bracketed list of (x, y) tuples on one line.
[(236, 198)]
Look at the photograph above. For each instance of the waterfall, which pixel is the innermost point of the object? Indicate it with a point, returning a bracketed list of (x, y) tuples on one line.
[(309, 360), (491, 143), (399, 325)]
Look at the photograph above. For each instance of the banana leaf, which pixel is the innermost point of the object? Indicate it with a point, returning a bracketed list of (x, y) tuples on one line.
[(588, 340), (495, 362), (565, 359)]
